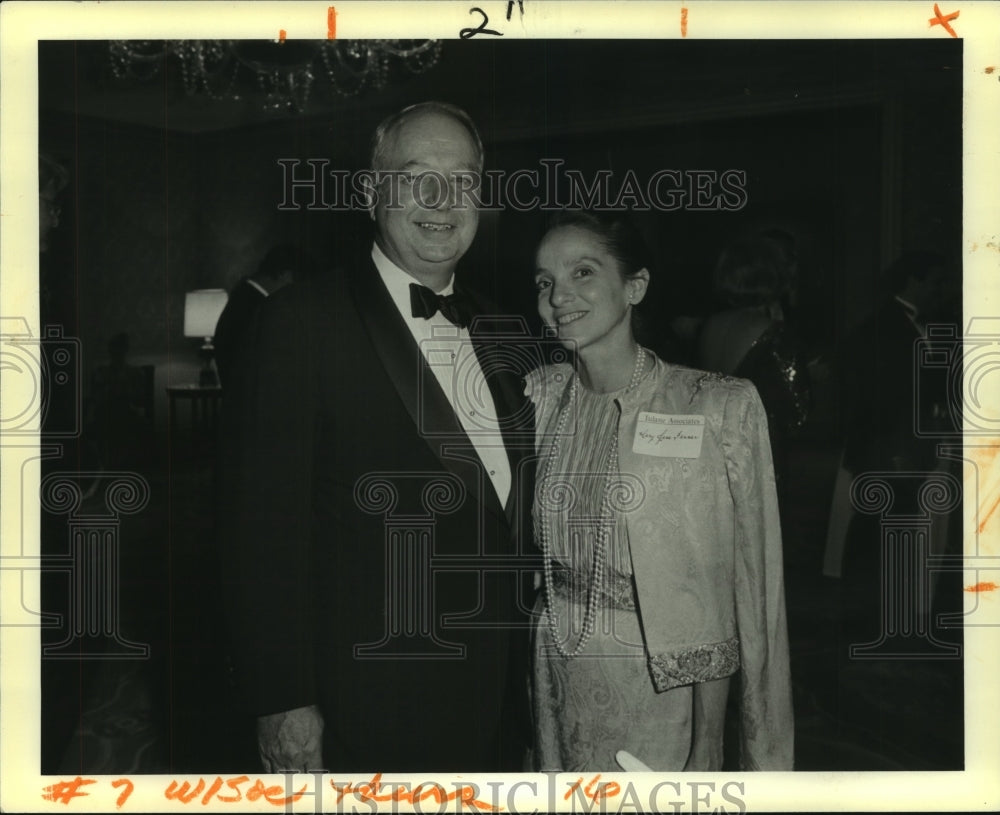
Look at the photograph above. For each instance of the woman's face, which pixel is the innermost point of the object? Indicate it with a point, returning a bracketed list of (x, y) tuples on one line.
[(582, 292)]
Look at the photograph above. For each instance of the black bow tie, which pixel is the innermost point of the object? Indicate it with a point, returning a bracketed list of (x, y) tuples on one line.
[(454, 308)]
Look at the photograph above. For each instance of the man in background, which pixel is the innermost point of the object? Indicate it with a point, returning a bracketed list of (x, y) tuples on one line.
[(885, 391), (281, 265), (879, 372)]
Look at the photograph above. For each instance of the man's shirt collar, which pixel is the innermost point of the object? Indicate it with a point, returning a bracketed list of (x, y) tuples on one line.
[(398, 280)]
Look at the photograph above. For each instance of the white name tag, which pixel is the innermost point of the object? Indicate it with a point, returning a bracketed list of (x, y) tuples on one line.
[(658, 434)]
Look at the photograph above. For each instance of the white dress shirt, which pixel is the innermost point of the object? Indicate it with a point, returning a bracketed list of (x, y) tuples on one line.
[(449, 353)]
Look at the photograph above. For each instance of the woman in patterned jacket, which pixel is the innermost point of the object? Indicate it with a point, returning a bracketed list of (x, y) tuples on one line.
[(656, 514)]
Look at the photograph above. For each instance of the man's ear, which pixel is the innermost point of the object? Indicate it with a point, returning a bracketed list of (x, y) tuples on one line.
[(638, 284), (369, 194)]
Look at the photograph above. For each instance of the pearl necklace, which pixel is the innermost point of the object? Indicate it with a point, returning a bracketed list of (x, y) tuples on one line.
[(605, 523)]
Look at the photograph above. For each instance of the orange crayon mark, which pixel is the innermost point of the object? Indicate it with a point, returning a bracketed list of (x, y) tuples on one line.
[(988, 514), (273, 794), (943, 21), (282, 34), (129, 786), (66, 791), (233, 784), (372, 791), (331, 23), (990, 69), (214, 788), (593, 790), (982, 587), (183, 792), (684, 21), (986, 457)]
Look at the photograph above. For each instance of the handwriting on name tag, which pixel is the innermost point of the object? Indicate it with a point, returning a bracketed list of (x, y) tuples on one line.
[(669, 436)]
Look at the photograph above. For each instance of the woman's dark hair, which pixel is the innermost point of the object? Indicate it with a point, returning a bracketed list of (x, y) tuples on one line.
[(615, 230), (750, 273), (623, 241)]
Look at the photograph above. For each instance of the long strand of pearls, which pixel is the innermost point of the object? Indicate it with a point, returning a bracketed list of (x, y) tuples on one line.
[(605, 527)]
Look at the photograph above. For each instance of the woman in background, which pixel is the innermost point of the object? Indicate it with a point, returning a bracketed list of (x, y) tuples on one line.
[(656, 515), (754, 281)]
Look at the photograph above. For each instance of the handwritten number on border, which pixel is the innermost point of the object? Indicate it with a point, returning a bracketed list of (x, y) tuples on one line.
[(467, 33)]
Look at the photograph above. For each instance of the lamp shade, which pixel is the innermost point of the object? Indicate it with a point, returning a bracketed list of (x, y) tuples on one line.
[(202, 308)]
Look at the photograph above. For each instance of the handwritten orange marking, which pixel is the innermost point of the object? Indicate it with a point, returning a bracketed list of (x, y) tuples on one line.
[(234, 784), (986, 457), (991, 69), (129, 786), (270, 794), (605, 790), (282, 34), (987, 454), (65, 791), (331, 23), (214, 788), (983, 587), (370, 790), (988, 515), (183, 792), (684, 21), (937, 19)]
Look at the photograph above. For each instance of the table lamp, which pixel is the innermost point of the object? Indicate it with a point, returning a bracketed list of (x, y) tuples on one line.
[(202, 308)]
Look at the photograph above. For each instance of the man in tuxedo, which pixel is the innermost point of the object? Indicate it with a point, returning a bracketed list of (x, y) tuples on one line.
[(375, 493), (884, 393), (879, 370), (282, 265)]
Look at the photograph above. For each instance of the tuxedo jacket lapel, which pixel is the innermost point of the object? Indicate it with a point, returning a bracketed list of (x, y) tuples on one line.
[(491, 339), (430, 411)]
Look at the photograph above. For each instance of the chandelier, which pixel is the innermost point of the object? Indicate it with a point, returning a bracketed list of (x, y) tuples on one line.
[(282, 71)]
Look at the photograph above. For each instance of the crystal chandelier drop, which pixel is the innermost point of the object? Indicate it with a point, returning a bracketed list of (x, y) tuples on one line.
[(283, 72)]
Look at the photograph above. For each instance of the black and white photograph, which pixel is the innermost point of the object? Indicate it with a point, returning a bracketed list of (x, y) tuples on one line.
[(581, 396)]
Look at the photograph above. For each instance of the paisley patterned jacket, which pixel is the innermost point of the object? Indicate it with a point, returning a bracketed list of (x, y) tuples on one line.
[(704, 538)]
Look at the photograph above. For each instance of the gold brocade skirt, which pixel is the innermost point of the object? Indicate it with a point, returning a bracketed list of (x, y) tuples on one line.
[(588, 707)]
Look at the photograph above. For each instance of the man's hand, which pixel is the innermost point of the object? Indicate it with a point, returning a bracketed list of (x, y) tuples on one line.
[(291, 741)]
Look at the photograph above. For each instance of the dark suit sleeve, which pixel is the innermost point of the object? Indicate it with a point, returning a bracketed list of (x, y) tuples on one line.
[(235, 328), (880, 387), (266, 518)]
